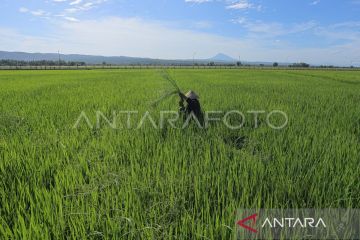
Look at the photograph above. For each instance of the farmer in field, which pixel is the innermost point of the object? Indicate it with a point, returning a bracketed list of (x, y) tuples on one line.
[(192, 108)]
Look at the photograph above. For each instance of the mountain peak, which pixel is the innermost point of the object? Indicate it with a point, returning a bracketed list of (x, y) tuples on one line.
[(222, 57)]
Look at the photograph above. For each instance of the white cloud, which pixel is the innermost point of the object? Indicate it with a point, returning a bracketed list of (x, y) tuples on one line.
[(23, 10), (88, 5), (240, 20), (231, 4), (39, 13), (273, 29), (351, 25), (137, 37), (302, 27), (76, 2), (132, 37), (79, 6), (316, 2), (69, 14), (346, 31), (71, 10), (266, 29), (243, 4), (11, 40), (71, 19)]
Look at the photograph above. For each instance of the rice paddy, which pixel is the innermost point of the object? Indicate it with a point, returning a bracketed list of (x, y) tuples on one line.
[(57, 181)]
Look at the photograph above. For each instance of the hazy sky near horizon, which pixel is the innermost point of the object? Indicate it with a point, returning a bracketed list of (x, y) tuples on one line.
[(313, 31)]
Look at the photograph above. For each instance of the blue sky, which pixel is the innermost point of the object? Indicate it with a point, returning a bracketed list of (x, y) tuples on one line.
[(314, 31)]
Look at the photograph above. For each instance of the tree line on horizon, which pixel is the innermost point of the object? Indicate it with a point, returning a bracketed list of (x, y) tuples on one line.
[(9, 62), (20, 63)]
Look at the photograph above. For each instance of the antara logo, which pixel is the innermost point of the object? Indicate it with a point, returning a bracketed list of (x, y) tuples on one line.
[(293, 222), (249, 223), (253, 217)]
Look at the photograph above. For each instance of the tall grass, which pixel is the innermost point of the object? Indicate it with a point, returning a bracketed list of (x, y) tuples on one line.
[(58, 182)]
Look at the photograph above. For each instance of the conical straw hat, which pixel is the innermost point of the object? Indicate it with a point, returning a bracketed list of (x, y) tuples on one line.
[(192, 95)]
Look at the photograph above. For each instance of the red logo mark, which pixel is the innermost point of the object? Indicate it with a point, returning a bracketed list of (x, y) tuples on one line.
[(241, 223)]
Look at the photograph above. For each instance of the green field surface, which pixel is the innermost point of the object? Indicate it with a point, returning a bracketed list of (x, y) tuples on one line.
[(57, 181)]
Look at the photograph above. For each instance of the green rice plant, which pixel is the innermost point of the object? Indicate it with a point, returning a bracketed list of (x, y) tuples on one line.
[(57, 182), (168, 93), (165, 74)]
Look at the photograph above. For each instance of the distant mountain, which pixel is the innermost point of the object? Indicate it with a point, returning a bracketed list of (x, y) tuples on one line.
[(220, 57), (121, 60), (89, 59)]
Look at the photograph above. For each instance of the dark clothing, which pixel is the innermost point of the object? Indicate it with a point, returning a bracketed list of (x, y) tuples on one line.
[(193, 106)]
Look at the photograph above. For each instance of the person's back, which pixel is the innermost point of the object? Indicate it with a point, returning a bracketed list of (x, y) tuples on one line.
[(193, 105)]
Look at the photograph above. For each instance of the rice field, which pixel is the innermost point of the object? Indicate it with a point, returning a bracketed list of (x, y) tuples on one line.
[(58, 182)]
